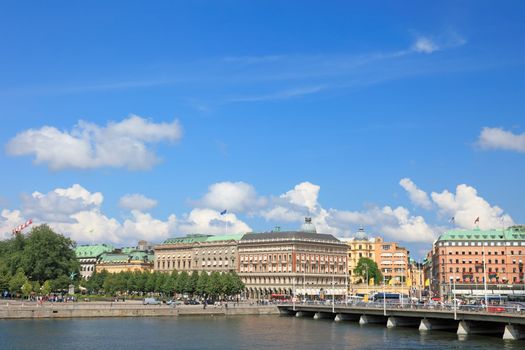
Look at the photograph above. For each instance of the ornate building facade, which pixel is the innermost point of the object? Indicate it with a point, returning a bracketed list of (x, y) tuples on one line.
[(89, 255), (198, 253), (467, 257), (294, 263)]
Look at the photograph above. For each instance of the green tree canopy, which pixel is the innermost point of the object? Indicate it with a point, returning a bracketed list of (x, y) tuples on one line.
[(202, 284), (367, 267), (17, 281), (48, 255)]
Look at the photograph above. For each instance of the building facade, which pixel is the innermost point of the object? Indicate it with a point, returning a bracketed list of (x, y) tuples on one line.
[(469, 257), (295, 263), (88, 256), (391, 259), (198, 253), (118, 262), (359, 246)]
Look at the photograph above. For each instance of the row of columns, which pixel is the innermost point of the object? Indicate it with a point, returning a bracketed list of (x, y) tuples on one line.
[(510, 331)]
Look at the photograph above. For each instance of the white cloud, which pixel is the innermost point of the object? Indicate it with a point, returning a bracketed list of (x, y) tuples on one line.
[(497, 138), (417, 196), (466, 205), (304, 194), (212, 222), (232, 196), (395, 223), (144, 225), (122, 145), (76, 213), (424, 45), (302, 201), (9, 219), (294, 204), (137, 201)]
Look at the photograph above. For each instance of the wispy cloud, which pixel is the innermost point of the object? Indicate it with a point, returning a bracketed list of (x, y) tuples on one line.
[(424, 45), (281, 95), (275, 76)]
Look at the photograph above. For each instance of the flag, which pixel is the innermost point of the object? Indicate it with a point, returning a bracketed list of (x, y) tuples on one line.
[(371, 281), (452, 220), (409, 282), (477, 220), (392, 281), (427, 282), (224, 211)]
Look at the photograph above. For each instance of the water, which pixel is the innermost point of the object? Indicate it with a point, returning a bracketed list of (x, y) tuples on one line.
[(241, 332)]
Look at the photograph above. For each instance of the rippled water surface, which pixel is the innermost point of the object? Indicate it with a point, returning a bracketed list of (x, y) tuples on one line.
[(242, 332)]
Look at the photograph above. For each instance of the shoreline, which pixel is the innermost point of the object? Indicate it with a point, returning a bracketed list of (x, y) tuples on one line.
[(31, 310)]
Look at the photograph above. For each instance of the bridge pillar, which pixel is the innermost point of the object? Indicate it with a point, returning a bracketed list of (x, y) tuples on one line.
[(319, 315), (366, 319), (401, 322), (473, 327), (436, 324), (514, 332), (346, 317)]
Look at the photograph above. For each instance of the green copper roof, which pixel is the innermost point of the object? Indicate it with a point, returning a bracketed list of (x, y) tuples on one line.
[(128, 250), (114, 258), (92, 251), (231, 237), (196, 238), (187, 239), (510, 234), (138, 255)]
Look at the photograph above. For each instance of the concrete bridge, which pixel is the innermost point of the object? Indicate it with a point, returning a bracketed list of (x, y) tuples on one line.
[(509, 325)]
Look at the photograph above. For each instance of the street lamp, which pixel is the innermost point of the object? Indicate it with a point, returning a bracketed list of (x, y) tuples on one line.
[(485, 276), (453, 285), (384, 297), (333, 293)]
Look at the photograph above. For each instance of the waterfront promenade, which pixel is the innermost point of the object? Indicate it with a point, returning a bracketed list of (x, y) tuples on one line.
[(19, 310)]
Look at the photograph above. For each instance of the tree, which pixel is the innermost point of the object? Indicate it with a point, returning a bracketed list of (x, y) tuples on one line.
[(169, 285), (238, 284), (182, 282), (202, 284), (214, 288), (27, 288), (5, 277), (192, 282), (17, 281), (150, 282), (47, 255), (367, 267), (47, 288), (60, 283)]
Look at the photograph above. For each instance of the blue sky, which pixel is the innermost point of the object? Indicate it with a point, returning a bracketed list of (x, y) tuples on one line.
[(137, 120)]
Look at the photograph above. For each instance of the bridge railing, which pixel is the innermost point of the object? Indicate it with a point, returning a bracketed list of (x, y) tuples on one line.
[(491, 309)]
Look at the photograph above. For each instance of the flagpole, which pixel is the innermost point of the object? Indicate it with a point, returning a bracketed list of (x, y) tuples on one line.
[(485, 276)]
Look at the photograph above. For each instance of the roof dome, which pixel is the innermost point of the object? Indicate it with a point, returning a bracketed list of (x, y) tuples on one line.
[(361, 235), (308, 226)]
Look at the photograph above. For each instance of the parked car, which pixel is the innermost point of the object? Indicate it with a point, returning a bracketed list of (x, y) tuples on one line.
[(191, 302), (150, 301)]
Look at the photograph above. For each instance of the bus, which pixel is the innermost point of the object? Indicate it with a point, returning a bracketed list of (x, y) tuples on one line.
[(389, 297)]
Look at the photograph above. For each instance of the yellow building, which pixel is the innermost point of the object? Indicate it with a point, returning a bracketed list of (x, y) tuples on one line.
[(359, 247), (390, 258), (118, 262)]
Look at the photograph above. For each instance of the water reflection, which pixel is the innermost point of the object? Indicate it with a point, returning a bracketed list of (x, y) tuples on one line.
[(243, 332)]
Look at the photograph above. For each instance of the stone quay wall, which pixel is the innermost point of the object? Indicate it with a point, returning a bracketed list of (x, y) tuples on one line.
[(124, 309)]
